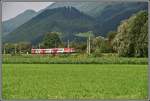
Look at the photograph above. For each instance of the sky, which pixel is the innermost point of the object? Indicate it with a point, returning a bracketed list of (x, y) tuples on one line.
[(12, 9)]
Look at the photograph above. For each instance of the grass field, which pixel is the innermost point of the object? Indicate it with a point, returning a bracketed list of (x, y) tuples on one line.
[(75, 81), (72, 59)]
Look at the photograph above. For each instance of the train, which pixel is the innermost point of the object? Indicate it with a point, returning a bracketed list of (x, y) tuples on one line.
[(53, 51)]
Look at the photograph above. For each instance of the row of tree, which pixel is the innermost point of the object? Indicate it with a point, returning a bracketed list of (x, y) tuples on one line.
[(15, 48)]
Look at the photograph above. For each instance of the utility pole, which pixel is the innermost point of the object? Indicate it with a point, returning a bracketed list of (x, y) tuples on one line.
[(89, 45), (15, 49), (87, 51), (4, 50), (39, 46), (55, 43), (20, 48), (68, 44)]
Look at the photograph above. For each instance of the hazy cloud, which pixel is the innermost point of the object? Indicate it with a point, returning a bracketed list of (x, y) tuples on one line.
[(12, 9)]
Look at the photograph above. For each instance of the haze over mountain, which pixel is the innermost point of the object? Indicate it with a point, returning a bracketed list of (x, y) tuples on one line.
[(67, 20), (108, 14), (99, 17), (11, 24), (90, 8)]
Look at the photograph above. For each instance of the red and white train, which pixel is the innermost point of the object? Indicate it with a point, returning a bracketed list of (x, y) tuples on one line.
[(52, 51)]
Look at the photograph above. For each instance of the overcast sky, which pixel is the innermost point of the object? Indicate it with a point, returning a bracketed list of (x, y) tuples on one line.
[(12, 9)]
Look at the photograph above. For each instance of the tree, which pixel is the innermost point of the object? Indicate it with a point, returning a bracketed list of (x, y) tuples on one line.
[(51, 40), (132, 36), (111, 35), (122, 39), (139, 30), (24, 47), (100, 44)]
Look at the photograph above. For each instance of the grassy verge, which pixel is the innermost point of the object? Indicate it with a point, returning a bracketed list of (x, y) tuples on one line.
[(65, 59)]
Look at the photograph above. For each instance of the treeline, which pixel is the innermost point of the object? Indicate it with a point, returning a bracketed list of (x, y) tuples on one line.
[(132, 36), (16, 48), (130, 40)]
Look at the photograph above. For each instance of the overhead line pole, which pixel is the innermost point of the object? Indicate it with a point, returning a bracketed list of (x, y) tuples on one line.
[(20, 48), (15, 48), (68, 44), (4, 49), (89, 45)]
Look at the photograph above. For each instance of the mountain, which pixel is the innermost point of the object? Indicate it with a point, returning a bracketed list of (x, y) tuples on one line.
[(67, 20), (112, 15), (11, 24), (90, 8), (70, 18), (108, 14)]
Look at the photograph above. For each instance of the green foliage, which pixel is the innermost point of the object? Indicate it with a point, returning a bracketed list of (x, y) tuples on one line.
[(100, 44), (97, 53), (72, 59), (111, 35), (8, 48), (24, 47), (140, 31), (132, 39), (51, 40), (16, 48)]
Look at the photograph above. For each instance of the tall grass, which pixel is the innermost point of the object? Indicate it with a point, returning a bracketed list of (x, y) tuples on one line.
[(72, 59)]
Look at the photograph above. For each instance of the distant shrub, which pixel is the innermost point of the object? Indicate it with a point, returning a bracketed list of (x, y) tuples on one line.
[(77, 59)]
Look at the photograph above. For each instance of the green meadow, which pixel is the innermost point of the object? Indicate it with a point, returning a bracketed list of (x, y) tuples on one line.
[(75, 81)]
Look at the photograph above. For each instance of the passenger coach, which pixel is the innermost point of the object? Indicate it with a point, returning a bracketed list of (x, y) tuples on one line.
[(52, 50)]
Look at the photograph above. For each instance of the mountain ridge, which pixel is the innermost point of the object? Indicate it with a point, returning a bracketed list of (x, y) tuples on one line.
[(13, 23), (74, 21), (106, 20)]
